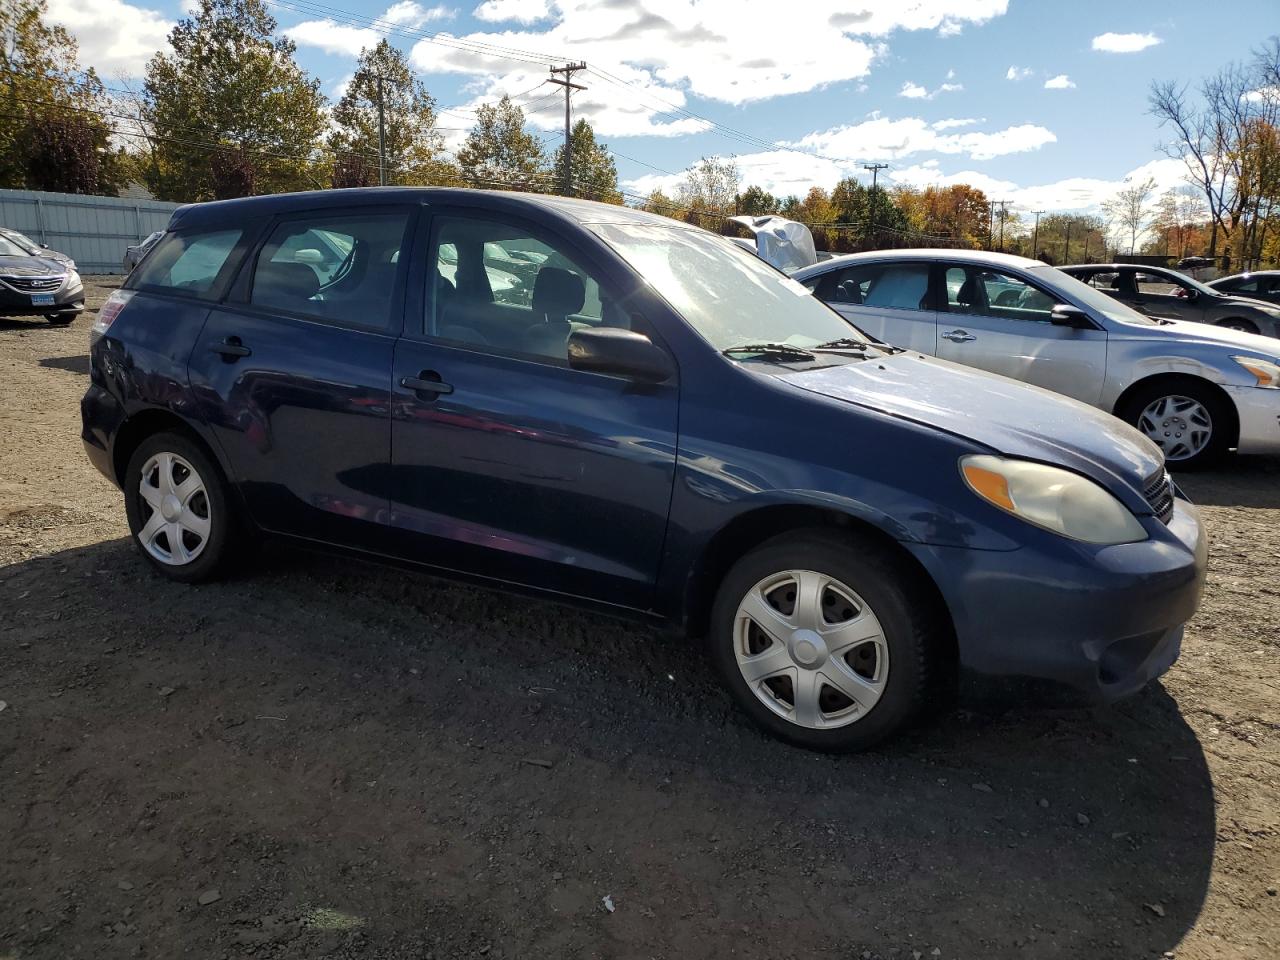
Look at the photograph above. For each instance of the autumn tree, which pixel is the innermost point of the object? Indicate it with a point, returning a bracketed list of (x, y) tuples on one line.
[(659, 202), (500, 154), (52, 133), (228, 84), (412, 146), (1130, 209), (592, 171), (708, 192)]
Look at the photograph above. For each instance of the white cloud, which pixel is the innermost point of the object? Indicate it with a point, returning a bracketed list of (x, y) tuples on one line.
[(406, 13), (959, 122), (886, 139), (1071, 194), (1018, 73), (115, 38), (1060, 82), (1124, 42), (523, 11), (332, 37), (913, 91)]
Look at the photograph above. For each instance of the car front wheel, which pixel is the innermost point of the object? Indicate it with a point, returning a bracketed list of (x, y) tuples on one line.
[(823, 640), (179, 511), (1187, 420)]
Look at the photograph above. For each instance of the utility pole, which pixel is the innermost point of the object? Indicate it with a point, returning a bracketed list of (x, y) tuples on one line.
[(991, 224), (1066, 250), (1035, 235), (568, 70), (1003, 205), (875, 169), (382, 138)]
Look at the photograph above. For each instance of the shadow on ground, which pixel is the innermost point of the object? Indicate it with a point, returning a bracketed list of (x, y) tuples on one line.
[(1240, 482), (78, 364), (373, 763)]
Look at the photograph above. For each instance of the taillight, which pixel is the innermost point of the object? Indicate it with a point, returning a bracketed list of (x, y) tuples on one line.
[(109, 311)]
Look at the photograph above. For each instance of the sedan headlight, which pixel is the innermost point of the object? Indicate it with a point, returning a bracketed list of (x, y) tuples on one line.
[(1052, 498), (1266, 372)]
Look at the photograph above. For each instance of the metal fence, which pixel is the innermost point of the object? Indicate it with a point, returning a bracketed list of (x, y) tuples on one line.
[(91, 230)]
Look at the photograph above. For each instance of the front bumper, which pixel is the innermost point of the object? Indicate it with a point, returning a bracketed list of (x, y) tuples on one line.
[(66, 301), (1258, 410), (1101, 620)]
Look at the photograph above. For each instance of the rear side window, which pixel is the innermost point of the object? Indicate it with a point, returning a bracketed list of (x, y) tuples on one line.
[(894, 286), (337, 268), (188, 262)]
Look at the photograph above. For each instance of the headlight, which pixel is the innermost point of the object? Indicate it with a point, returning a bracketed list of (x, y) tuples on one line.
[(1054, 499), (1266, 372)]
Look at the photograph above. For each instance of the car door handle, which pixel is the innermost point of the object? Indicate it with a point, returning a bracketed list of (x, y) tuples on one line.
[(426, 382), (231, 349), (958, 336)]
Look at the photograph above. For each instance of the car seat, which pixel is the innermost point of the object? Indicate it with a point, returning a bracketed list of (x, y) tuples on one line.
[(557, 295)]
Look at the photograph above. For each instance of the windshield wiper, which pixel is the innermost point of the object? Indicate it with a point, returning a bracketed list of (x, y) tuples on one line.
[(772, 351), (844, 343)]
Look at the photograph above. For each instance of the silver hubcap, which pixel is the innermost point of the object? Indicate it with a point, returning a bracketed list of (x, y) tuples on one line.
[(1180, 425), (811, 649), (175, 507)]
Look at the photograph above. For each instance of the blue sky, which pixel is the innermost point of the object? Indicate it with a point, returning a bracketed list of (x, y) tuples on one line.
[(1039, 102)]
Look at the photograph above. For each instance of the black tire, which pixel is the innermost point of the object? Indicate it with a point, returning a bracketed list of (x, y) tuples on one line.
[(1221, 414), (1236, 323), (913, 630), (227, 536), (59, 319)]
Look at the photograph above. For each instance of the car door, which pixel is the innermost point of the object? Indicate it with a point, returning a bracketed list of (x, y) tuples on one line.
[(1157, 295), (293, 371), (1001, 322), (889, 299), (507, 463)]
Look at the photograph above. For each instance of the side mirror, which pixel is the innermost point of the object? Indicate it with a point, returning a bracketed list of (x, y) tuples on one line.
[(622, 353), (1065, 315), (1191, 293)]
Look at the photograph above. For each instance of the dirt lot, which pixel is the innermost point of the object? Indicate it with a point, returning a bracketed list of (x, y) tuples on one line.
[(326, 759)]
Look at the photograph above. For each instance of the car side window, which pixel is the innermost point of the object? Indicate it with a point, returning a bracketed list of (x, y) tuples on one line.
[(990, 293), (1244, 286), (498, 287), (1155, 285), (893, 286), (332, 267), (1104, 280), (188, 262)]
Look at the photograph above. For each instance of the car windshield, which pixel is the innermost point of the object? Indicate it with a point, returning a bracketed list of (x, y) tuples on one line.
[(731, 297), (1189, 283), (22, 240), (1081, 293), (10, 249)]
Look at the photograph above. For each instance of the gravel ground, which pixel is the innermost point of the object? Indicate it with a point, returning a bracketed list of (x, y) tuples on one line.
[(328, 759)]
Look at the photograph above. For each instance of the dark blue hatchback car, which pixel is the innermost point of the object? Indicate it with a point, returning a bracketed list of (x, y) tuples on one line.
[(608, 406)]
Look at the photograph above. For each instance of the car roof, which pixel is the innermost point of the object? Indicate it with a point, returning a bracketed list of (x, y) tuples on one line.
[(569, 208), (982, 257), (1116, 267), (1247, 273)]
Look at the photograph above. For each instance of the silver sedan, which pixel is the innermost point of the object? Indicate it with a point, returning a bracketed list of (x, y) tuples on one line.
[(1196, 391)]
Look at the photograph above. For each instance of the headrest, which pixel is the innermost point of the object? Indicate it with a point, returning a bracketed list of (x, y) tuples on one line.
[(285, 280), (968, 292), (558, 293)]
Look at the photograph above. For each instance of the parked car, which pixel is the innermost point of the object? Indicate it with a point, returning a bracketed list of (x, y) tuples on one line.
[(33, 285), (33, 249), (1197, 391), (845, 522), (133, 254), (1258, 285), (1159, 292)]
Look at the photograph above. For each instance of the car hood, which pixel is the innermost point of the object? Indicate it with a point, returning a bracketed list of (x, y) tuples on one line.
[(30, 267), (1003, 415), (1190, 332)]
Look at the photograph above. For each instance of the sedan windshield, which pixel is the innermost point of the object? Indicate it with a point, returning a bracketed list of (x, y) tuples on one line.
[(1081, 293), (730, 296), (10, 249)]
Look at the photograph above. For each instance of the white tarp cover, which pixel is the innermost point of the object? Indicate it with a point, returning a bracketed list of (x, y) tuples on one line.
[(784, 243)]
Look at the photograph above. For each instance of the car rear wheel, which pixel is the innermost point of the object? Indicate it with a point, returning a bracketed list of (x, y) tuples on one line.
[(1187, 420), (1235, 323), (824, 641), (179, 511)]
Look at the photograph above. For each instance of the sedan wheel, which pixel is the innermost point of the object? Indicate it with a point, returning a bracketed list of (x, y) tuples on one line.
[(176, 505), (810, 649), (1181, 426)]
